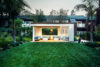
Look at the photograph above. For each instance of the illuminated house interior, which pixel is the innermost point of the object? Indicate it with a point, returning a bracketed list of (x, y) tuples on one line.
[(53, 32)]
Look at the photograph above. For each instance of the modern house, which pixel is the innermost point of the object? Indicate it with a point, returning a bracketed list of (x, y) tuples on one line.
[(80, 22), (53, 32)]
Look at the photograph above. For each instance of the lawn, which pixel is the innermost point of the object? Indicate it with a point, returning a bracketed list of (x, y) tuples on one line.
[(50, 55)]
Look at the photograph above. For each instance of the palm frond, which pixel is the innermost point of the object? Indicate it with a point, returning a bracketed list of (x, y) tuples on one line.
[(81, 6)]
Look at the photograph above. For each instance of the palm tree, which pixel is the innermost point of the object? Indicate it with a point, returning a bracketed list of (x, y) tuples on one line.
[(98, 13), (13, 8), (97, 4), (89, 7)]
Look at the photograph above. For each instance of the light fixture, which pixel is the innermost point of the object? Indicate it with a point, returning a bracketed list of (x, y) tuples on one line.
[(51, 30)]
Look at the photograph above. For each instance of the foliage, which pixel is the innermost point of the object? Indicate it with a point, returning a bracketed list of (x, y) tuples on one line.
[(97, 33), (18, 38), (93, 45), (87, 6), (58, 15), (35, 19), (39, 18), (50, 55), (5, 39), (14, 7), (86, 36), (27, 39), (75, 38), (18, 22), (12, 10), (97, 29)]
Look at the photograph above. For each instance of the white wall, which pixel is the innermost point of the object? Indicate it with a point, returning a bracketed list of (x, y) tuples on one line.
[(71, 33)]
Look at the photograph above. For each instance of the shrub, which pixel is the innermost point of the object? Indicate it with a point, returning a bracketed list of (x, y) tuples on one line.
[(93, 45), (17, 38), (5, 39), (75, 38), (96, 36), (27, 39), (85, 36)]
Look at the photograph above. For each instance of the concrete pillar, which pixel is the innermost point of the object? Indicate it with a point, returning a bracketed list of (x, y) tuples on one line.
[(33, 34), (71, 33)]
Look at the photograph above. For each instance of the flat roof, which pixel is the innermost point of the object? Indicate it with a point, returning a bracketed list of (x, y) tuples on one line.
[(49, 23), (52, 24)]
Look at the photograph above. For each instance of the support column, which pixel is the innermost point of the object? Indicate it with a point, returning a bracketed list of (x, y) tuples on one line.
[(71, 33), (33, 34)]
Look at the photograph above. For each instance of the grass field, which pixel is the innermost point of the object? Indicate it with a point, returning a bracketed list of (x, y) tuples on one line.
[(50, 55)]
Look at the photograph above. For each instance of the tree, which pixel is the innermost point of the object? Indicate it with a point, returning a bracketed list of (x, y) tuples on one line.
[(62, 14), (18, 26), (2, 8), (97, 5), (98, 13), (72, 13), (39, 17), (89, 7), (13, 8), (52, 16), (58, 15)]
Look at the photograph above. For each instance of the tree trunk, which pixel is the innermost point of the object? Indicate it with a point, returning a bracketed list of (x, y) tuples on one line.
[(98, 17), (91, 32), (91, 37), (1, 18), (14, 32), (99, 3)]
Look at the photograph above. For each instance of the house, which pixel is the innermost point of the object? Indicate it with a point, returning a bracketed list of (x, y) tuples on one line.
[(80, 21), (27, 20), (64, 32), (80, 24)]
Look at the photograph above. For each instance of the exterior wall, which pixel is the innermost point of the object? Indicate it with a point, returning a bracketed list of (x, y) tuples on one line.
[(71, 33), (38, 31), (59, 31), (64, 31), (33, 34)]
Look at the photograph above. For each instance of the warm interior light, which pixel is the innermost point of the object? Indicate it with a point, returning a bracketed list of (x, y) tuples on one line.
[(51, 30)]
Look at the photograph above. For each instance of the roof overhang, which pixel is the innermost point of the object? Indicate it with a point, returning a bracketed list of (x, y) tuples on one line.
[(51, 24)]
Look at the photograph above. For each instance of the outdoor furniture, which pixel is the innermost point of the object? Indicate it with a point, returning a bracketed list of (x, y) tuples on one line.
[(45, 38), (37, 38), (56, 38)]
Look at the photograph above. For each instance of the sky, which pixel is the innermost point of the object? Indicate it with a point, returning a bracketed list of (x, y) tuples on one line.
[(48, 5)]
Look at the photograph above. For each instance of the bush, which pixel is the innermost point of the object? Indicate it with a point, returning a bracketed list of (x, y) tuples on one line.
[(27, 39), (93, 45), (96, 36), (75, 38), (85, 36), (18, 39), (5, 39)]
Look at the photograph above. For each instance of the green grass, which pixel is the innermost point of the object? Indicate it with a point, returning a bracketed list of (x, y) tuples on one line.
[(50, 55)]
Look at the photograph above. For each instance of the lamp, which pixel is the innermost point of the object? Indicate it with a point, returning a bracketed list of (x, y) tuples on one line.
[(51, 30)]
